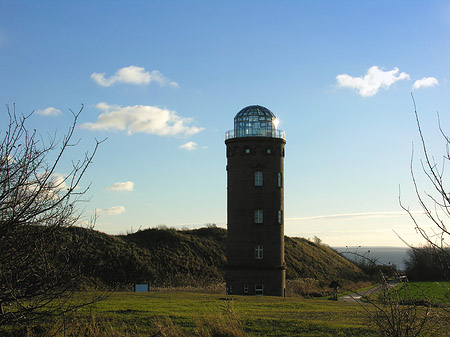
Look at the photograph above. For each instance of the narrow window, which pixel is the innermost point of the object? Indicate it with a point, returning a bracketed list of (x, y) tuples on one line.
[(247, 150), (280, 216), (259, 289), (280, 179), (259, 254), (258, 216), (258, 178), (269, 151), (246, 289)]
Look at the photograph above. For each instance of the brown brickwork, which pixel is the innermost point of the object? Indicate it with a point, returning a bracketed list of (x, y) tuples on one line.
[(248, 268)]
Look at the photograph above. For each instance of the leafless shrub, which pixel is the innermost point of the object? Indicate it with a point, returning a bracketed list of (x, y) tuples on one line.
[(36, 204), (435, 202), (391, 307)]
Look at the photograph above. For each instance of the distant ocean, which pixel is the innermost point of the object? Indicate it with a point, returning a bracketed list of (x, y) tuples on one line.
[(383, 255)]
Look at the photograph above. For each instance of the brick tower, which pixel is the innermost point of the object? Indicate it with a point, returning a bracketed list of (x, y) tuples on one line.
[(255, 197)]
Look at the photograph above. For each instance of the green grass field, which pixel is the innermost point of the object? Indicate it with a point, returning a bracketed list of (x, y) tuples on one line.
[(259, 316), (433, 292), (173, 313), (188, 312)]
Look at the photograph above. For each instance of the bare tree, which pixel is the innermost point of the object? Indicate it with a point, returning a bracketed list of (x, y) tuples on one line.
[(397, 311), (394, 308), (435, 202), (391, 306), (37, 203)]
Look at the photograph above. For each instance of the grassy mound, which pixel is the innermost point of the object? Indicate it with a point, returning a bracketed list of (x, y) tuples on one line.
[(167, 257)]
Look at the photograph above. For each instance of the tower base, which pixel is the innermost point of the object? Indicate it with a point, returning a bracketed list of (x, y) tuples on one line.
[(251, 281)]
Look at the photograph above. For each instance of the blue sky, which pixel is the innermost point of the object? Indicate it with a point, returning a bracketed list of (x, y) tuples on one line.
[(168, 77)]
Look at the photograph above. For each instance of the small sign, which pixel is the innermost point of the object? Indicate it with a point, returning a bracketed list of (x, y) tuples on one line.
[(141, 288)]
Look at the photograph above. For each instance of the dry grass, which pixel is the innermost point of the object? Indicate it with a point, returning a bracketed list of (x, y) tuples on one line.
[(306, 287), (92, 326), (226, 324), (213, 288), (309, 287)]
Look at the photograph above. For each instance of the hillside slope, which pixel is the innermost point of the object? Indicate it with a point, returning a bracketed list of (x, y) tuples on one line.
[(306, 259), (169, 257)]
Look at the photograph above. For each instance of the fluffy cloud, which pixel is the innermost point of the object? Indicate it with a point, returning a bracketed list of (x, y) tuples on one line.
[(50, 111), (190, 146), (59, 181), (115, 210), (133, 75), (56, 185), (425, 82), (125, 186), (10, 159), (349, 216), (374, 79), (141, 118)]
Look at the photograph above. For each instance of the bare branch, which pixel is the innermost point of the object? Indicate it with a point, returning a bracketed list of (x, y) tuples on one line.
[(37, 271)]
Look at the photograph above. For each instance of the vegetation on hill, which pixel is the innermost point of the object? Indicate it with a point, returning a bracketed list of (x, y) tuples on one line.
[(306, 259), (183, 256), (427, 264), (166, 257)]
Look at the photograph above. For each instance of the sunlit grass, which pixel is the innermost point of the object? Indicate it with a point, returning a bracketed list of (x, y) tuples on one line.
[(431, 292), (182, 314), (259, 316)]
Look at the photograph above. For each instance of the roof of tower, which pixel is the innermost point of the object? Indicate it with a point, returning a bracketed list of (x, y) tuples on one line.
[(255, 110), (255, 121)]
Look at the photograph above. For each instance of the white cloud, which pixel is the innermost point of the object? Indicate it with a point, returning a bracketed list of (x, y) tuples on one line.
[(141, 118), (125, 186), (50, 111), (115, 210), (56, 185), (374, 79), (425, 82), (59, 181), (7, 159), (190, 146), (159, 78), (133, 75), (359, 216)]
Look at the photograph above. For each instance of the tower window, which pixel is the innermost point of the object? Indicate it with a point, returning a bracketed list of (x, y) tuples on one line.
[(259, 252), (280, 179), (259, 289), (258, 216), (258, 178), (269, 151), (247, 150), (280, 216)]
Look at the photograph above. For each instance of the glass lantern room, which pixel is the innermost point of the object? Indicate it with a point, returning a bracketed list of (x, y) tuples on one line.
[(255, 121)]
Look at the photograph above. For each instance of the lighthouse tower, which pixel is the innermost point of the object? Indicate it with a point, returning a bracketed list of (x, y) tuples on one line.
[(255, 197)]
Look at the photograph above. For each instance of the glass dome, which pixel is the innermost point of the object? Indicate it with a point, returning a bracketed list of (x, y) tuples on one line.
[(255, 121)]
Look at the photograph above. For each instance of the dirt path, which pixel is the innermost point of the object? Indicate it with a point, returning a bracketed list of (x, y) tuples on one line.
[(353, 297)]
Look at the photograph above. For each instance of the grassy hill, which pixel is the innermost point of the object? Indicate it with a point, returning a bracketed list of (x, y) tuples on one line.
[(306, 259), (169, 257)]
